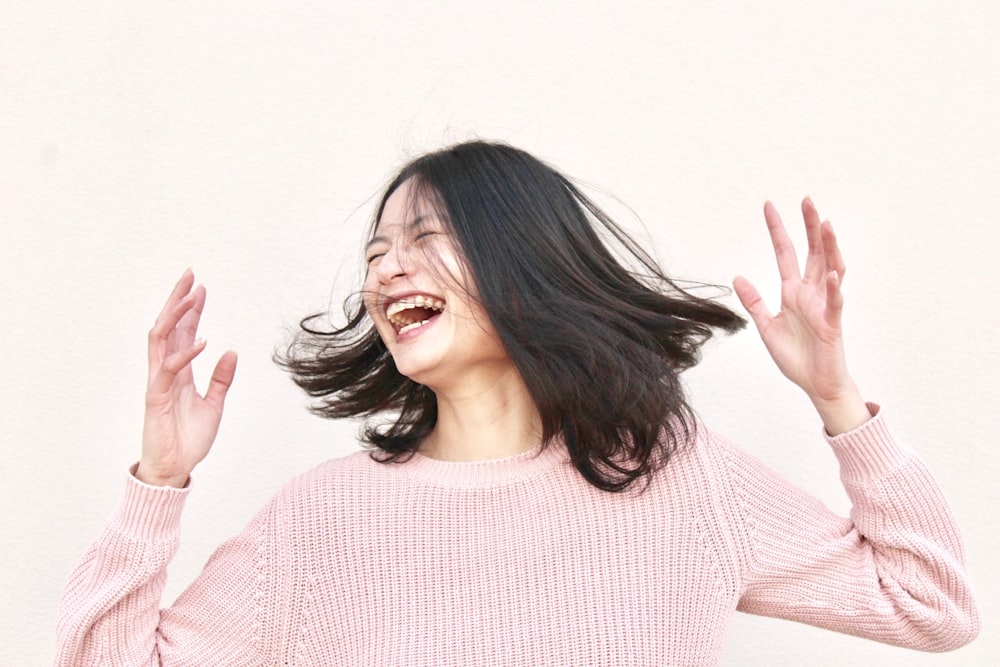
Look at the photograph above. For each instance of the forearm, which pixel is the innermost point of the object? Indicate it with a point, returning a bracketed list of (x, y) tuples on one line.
[(904, 518), (109, 610), (893, 572)]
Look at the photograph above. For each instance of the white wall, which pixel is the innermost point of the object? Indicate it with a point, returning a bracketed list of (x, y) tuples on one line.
[(246, 138)]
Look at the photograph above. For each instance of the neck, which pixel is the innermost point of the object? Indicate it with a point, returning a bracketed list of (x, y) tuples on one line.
[(492, 420)]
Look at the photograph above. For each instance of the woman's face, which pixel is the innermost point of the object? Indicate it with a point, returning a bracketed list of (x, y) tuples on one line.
[(422, 300)]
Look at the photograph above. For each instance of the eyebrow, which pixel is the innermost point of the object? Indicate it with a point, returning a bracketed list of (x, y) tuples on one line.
[(381, 238)]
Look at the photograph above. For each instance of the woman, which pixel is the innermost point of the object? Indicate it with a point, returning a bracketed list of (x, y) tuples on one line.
[(537, 491)]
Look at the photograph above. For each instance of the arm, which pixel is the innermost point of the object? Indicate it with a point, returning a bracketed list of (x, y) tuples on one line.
[(110, 608), (233, 613), (892, 572)]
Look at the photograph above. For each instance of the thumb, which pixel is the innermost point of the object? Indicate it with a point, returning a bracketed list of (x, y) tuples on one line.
[(222, 379), (753, 303)]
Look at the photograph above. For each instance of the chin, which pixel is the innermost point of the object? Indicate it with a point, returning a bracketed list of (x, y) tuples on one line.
[(421, 371)]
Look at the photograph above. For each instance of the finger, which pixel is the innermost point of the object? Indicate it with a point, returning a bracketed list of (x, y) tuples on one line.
[(834, 300), (834, 260), (784, 251), (222, 379), (159, 339), (185, 332), (172, 366), (181, 289), (752, 302), (816, 258), (187, 328)]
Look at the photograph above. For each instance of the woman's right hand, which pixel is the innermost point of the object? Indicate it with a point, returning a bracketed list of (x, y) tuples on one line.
[(180, 425)]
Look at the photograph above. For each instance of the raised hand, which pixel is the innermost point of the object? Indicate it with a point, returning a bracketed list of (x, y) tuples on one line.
[(805, 338), (180, 425)]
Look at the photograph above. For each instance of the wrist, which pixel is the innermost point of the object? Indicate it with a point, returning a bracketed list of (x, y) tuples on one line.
[(146, 475), (843, 412)]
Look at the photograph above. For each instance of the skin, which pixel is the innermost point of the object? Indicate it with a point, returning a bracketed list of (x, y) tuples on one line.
[(805, 338), (180, 424), (481, 398)]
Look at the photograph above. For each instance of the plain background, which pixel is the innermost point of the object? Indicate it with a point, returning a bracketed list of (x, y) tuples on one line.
[(247, 139)]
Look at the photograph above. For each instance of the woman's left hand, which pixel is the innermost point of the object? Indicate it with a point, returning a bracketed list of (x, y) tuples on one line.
[(805, 338)]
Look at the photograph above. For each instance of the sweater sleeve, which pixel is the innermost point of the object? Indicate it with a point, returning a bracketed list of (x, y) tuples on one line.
[(893, 571), (109, 613)]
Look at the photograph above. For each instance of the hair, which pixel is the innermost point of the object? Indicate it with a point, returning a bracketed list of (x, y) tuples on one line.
[(600, 346)]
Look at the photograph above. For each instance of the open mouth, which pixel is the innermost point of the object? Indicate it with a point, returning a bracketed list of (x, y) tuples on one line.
[(410, 313)]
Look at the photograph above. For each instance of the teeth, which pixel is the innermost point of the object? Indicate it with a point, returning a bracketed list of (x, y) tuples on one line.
[(405, 322), (415, 325), (415, 302)]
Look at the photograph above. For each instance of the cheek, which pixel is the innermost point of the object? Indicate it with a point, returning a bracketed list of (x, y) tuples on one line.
[(370, 285), (457, 270), (369, 298), (453, 274)]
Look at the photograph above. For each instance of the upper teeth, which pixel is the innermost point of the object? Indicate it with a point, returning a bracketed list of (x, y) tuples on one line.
[(414, 302)]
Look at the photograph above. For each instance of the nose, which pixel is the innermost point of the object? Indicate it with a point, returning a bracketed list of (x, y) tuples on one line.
[(391, 265)]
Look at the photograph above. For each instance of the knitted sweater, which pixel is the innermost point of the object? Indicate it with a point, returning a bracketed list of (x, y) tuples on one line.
[(520, 562)]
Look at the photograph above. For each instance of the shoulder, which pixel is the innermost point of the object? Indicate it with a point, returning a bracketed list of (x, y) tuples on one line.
[(717, 464), (696, 475), (717, 478), (703, 454), (335, 477), (319, 507)]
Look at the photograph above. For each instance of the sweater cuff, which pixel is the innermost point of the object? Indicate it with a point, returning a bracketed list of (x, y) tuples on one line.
[(868, 452), (149, 513)]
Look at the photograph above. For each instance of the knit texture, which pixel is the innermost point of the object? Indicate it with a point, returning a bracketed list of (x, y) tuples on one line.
[(520, 562)]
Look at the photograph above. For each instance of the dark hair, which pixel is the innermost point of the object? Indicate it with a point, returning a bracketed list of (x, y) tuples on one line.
[(599, 345)]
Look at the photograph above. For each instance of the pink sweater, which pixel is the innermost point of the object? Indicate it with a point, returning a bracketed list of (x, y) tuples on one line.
[(519, 561)]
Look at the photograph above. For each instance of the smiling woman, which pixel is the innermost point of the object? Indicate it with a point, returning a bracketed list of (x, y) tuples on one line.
[(536, 303), (536, 489), (426, 314)]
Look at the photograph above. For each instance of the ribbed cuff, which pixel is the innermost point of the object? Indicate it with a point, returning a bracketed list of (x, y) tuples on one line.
[(149, 513), (870, 451)]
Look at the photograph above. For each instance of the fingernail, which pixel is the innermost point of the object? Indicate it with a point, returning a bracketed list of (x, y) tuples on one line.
[(198, 342)]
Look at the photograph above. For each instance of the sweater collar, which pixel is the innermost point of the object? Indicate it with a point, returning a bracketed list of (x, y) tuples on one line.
[(487, 472)]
